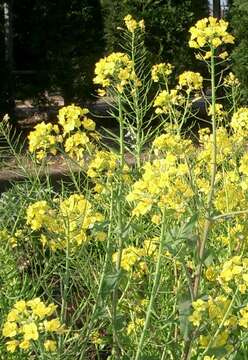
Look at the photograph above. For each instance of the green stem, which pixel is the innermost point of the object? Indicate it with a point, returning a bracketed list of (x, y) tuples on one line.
[(138, 115), (66, 281), (208, 220), (103, 274), (231, 214), (121, 139), (115, 297), (154, 289)]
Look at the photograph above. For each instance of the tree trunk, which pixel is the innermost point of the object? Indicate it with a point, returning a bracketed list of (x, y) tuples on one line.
[(9, 63), (216, 9)]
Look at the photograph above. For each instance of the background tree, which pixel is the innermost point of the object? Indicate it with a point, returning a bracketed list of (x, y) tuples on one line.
[(56, 44), (6, 60), (216, 9), (167, 23), (239, 22)]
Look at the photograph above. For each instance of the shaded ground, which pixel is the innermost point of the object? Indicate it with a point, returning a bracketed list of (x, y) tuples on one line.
[(29, 114)]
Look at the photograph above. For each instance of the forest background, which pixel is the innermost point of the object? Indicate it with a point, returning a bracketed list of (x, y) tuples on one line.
[(52, 46)]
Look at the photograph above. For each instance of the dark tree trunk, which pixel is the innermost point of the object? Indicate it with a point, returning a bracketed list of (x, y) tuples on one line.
[(9, 63), (216, 9)]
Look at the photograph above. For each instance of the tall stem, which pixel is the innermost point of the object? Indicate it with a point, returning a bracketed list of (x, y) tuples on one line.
[(208, 219), (115, 298), (103, 274), (121, 129), (154, 289), (138, 115)]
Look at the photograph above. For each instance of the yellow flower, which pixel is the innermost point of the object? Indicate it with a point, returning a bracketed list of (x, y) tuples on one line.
[(10, 329), (191, 80), (30, 331), (13, 315), (89, 124), (43, 140), (195, 318), (130, 257), (223, 55), (25, 344), (217, 110), (239, 122), (134, 326), (101, 236), (70, 117), (20, 306), (210, 273), (50, 345), (210, 31), (221, 339), (199, 305), (40, 310), (115, 69), (96, 338), (37, 214), (161, 71), (12, 345), (231, 80), (53, 325), (165, 99), (132, 24), (156, 219), (204, 340)]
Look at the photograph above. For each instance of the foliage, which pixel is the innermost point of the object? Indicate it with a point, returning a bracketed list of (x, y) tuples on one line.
[(59, 42), (239, 16), (166, 26)]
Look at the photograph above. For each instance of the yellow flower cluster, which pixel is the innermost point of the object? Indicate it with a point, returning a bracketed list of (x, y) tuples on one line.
[(191, 80), (77, 130), (231, 80), (135, 326), (75, 145), (234, 274), (218, 111), (212, 312), (164, 185), (132, 24), (131, 256), (103, 167), (72, 117), (210, 32), (12, 238), (208, 315), (30, 321), (104, 163), (134, 258), (171, 142), (114, 70), (166, 99), (239, 122), (73, 131), (43, 140), (160, 72), (38, 214), (70, 222)]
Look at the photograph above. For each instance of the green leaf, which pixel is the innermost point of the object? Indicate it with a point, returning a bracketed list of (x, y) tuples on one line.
[(109, 283), (217, 352), (120, 322), (209, 260), (184, 308)]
